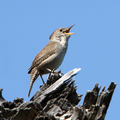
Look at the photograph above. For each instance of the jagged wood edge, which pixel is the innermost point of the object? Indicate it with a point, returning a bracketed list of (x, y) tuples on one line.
[(56, 85)]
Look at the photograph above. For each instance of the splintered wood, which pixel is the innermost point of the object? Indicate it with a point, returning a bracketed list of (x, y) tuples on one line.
[(58, 100)]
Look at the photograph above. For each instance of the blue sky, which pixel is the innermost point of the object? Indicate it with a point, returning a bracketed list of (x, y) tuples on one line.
[(25, 27)]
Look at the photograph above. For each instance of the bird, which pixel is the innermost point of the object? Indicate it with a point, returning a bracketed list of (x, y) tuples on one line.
[(51, 56)]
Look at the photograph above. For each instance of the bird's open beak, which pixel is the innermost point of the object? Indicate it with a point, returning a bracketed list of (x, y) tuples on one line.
[(67, 31)]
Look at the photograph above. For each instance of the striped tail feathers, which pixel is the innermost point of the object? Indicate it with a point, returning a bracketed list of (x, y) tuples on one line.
[(33, 76)]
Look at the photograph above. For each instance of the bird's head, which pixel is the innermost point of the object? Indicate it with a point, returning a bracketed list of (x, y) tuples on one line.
[(61, 34)]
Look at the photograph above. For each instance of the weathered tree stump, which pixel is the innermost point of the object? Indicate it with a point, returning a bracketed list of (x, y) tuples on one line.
[(58, 100)]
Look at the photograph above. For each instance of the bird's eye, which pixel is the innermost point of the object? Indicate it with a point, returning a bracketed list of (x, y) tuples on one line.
[(60, 30)]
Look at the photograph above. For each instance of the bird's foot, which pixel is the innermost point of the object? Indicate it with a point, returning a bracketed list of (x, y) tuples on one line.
[(54, 76)]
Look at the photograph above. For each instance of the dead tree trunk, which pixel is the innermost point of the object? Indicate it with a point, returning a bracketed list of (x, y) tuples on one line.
[(58, 100)]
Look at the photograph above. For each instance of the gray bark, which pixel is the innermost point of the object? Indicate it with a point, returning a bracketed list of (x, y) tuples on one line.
[(58, 100)]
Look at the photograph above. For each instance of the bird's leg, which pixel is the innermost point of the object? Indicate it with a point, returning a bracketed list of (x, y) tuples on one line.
[(53, 76), (53, 71), (42, 79), (50, 71)]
